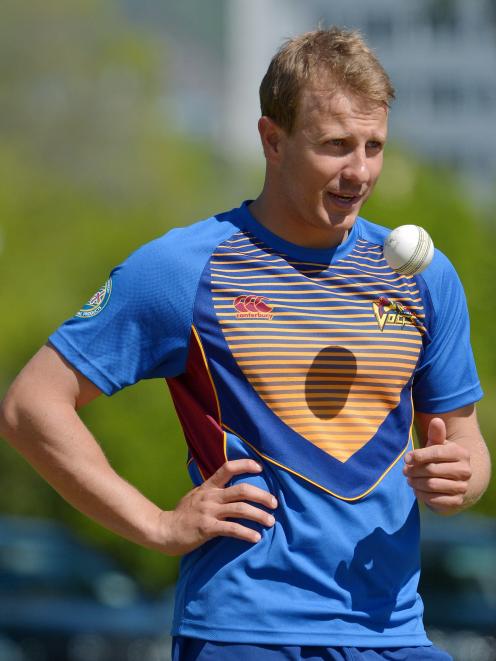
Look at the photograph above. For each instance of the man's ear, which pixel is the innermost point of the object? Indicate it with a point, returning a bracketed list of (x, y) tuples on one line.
[(271, 135)]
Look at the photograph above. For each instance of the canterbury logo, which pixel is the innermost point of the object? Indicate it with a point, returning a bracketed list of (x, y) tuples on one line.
[(393, 313), (252, 307)]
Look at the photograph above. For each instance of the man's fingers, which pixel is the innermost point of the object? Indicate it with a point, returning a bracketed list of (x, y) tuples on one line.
[(249, 492), (245, 511), (207, 511), (436, 433), (449, 470), (436, 454), (438, 485), (231, 468), (440, 501), (232, 529)]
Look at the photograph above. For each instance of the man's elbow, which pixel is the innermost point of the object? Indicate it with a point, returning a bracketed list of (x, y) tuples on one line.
[(44, 389), (10, 415), (19, 409)]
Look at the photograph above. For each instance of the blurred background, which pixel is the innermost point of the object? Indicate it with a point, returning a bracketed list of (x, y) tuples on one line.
[(122, 118)]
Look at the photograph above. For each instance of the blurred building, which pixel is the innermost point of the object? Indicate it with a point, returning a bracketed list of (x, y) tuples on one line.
[(441, 55)]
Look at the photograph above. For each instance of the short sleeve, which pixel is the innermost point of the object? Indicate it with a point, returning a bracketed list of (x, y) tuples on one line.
[(446, 377), (138, 324), (135, 327)]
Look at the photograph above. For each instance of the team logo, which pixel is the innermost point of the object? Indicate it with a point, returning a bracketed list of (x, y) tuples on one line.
[(97, 302), (252, 307), (391, 312)]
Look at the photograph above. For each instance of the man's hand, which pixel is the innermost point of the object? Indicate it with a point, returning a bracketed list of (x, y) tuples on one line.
[(201, 514), (440, 472)]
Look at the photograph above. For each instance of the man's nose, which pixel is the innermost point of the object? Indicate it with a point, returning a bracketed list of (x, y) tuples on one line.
[(356, 169)]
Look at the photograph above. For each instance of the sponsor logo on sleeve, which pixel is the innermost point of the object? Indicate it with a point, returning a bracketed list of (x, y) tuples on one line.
[(97, 302)]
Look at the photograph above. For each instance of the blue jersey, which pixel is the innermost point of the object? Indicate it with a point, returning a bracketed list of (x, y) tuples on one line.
[(310, 361)]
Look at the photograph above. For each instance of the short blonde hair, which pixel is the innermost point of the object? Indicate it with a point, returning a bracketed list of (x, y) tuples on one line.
[(335, 57)]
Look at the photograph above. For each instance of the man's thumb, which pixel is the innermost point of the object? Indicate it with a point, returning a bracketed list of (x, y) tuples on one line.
[(436, 434)]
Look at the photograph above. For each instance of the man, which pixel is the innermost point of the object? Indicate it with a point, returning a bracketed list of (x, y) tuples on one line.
[(293, 377)]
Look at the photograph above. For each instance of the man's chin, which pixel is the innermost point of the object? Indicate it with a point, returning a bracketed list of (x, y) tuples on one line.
[(342, 220), (332, 228)]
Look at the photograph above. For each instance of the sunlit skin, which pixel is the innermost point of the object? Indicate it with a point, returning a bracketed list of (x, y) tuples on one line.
[(319, 175)]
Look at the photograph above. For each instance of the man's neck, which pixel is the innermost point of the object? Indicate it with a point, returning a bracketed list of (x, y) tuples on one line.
[(279, 221)]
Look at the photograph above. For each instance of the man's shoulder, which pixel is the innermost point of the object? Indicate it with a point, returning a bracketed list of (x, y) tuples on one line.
[(372, 232), (186, 246), (440, 266), (200, 235)]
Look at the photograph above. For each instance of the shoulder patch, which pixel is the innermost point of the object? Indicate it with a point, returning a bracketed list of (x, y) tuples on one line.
[(97, 302)]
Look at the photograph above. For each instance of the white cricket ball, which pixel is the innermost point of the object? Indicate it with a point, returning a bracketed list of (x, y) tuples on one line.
[(408, 249)]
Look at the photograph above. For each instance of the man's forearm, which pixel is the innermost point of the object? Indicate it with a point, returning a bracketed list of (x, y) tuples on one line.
[(55, 441)]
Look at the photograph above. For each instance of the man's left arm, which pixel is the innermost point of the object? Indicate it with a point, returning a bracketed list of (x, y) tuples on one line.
[(452, 468)]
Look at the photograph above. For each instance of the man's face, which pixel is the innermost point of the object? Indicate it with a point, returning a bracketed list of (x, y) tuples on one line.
[(330, 162)]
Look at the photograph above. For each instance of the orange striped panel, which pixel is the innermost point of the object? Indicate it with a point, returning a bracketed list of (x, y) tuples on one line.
[(315, 354)]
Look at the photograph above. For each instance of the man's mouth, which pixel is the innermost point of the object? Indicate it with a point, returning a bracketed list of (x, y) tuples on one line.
[(344, 200)]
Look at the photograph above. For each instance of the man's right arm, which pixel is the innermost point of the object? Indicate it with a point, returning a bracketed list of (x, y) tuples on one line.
[(38, 416)]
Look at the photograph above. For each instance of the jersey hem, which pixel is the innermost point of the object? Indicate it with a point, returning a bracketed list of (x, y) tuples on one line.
[(327, 639)]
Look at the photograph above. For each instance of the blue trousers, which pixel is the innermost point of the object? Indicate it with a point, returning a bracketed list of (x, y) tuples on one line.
[(194, 649)]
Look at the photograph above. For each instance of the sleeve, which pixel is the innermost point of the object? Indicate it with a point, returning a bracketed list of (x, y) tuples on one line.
[(137, 325), (446, 377)]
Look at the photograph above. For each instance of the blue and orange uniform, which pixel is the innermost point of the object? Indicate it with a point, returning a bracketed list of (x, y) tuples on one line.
[(310, 361)]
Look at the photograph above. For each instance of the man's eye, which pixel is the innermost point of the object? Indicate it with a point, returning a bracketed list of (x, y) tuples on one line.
[(336, 142), (374, 145)]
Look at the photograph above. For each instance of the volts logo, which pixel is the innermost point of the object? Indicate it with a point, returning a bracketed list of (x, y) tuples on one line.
[(391, 312), (250, 306)]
